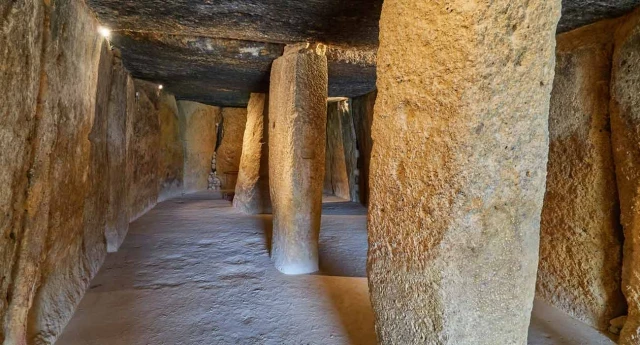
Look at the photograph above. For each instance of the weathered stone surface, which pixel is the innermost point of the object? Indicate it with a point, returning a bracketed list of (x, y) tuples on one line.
[(53, 263), (143, 156), (226, 70), (458, 169), (625, 134), (198, 126), (576, 13), (121, 106), (580, 235), (297, 125), (20, 50), (171, 148), (340, 155), (252, 187), (228, 155), (362, 109)]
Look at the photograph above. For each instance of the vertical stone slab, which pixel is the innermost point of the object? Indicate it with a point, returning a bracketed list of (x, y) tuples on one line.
[(625, 135), (580, 235), (171, 150), (362, 109), (21, 41), (234, 121), (336, 179), (198, 125), (144, 153), (252, 188), (57, 253), (458, 169), (121, 98), (349, 148), (297, 124)]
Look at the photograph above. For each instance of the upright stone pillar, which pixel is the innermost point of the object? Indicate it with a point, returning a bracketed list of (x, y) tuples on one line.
[(625, 137), (297, 121), (252, 187), (458, 169)]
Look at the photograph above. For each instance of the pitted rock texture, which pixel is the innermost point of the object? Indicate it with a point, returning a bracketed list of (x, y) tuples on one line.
[(198, 127), (362, 109), (580, 236), (625, 134), (252, 187), (228, 155), (297, 125), (458, 169)]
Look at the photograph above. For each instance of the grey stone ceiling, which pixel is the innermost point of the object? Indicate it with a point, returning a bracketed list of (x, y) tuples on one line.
[(217, 51)]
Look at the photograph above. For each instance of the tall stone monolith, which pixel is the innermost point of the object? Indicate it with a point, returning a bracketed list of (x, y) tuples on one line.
[(297, 122), (460, 145)]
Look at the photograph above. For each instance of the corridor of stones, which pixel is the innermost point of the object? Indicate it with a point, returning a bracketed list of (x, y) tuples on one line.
[(319, 172)]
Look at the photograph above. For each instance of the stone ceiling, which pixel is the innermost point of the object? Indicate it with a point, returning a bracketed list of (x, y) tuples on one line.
[(217, 51)]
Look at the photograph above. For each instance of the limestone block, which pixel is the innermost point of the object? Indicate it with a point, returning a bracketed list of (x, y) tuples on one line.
[(625, 135), (171, 149), (362, 109), (297, 125), (458, 169), (20, 50), (198, 123), (121, 106), (143, 154), (252, 188), (228, 155), (580, 235)]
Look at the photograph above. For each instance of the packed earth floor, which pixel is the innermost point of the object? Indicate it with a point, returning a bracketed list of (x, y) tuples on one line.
[(194, 270)]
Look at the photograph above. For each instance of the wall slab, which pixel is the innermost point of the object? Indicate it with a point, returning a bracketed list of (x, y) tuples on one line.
[(580, 235), (234, 121), (252, 188), (458, 169), (362, 110)]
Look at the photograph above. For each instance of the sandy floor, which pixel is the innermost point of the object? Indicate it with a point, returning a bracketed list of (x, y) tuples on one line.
[(196, 271)]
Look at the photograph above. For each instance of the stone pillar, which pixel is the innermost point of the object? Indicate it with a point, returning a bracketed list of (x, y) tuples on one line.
[(580, 247), (338, 164), (297, 121), (362, 109), (458, 169), (625, 135), (252, 187)]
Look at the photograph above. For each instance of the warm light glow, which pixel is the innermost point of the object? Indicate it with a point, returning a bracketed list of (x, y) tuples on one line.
[(159, 87), (104, 32)]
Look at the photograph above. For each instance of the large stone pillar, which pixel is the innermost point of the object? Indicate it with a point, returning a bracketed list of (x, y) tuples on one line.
[(458, 169), (252, 187), (297, 121), (625, 135)]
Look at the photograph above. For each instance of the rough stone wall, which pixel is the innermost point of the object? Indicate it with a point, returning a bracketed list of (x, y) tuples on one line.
[(171, 149), (143, 154), (20, 49), (625, 129), (52, 264), (198, 127), (234, 121), (252, 188), (362, 110), (340, 154), (458, 169), (121, 103), (580, 235)]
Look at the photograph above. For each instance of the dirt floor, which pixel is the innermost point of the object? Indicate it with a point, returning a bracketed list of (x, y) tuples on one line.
[(196, 271)]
